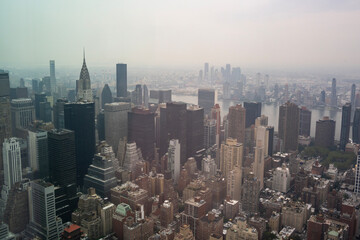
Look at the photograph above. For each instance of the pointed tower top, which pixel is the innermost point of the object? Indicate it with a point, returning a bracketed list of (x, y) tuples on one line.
[(84, 53)]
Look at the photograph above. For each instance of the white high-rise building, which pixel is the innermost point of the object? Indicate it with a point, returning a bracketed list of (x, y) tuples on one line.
[(258, 165), (174, 159), (12, 161), (357, 175), (132, 157), (208, 166), (43, 220), (234, 183), (281, 179)]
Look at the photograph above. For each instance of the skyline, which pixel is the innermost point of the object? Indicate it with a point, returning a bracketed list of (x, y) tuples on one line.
[(296, 35)]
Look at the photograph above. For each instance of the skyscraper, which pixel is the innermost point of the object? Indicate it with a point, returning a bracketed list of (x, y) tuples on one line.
[(305, 122), (22, 113), (206, 72), (216, 115), (352, 98), (289, 126), (141, 123), (253, 111), (194, 130), (209, 133), (322, 97), (146, 96), (116, 123), (259, 164), (333, 93), (61, 150), (237, 119), (234, 183), (121, 80), (137, 97), (325, 132), (12, 162), (345, 126), (250, 194), (206, 99), (101, 174), (52, 76), (39, 98), (174, 159), (84, 91), (173, 123), (43, 220), (38, 152), (80, 117), (5, 112), (356, 126), (231, 155), (106, 96)]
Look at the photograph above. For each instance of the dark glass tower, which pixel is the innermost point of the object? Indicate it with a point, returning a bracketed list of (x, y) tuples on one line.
[(194, 130), (59, 113), (106, 96), (356, 126), (305, 122), (345, 126), (141, 130), (289, 115), (253, 111), (121, 80), (80, 117), (61, 147), (39, 98)]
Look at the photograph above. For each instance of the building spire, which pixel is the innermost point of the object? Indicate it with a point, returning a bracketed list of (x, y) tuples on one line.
[(84, 53)]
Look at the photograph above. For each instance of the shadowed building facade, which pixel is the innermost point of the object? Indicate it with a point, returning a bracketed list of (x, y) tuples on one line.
[(345, 126), (253, 111), (237, 119), (80, 117), (289, 126)]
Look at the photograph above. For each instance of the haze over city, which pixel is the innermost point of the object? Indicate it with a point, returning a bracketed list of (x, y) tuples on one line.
[(281, 35)]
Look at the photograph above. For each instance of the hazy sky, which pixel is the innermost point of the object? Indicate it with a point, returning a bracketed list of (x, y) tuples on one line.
[(289, 34)]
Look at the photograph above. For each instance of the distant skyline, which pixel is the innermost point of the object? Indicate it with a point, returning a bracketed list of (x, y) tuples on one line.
[(321, 35)]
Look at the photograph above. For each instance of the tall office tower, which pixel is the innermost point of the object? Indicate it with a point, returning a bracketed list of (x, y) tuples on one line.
[(216, 115), (234, 183), (352, 98), (121, 80), (357, 175), (59, 113), (212, 75), (258, 165), (173, 123), (325, 132), (206, 72), (253, 111), (262, 139), (137, 97), (237, 120), (38, 152), (80, 117), (236, 75), (52, 76), (356, 126), (194, 130), (281, 179), (35, 86), (146, 96), (231, 155), (22, 113), (61, 151), (39, 98), (174, 159), (43, 220), (206, 99), (141, 129), (228, 72), (45, 112), (270, 134), (101, 175), (162, 96), (250, 194), (84, 91), (305, 122), (116, 123), (5, 112), (12, 162), (345, 126), (322, 97), (209, 133), (106, 96), (289, 126), (333, 93), (100, 125)]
